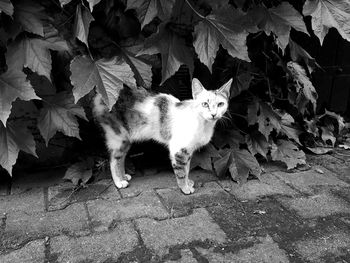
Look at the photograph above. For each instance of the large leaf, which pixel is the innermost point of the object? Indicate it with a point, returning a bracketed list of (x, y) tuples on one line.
[(287, 152), (142, 70), (82, 21), (279, 20), (263, 114), (13, 85), (30, 15), (327, 14), (14, 138), (203, 157), (59, 114), (92, 3), (34, 53), (6, 7), (108, 76), (306, 92), (223, 26), (257, 143), (173, 50), (148, 9), (298, 54), (288, 127)]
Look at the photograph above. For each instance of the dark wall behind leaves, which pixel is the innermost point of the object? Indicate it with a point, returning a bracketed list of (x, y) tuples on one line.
[(82, 47)]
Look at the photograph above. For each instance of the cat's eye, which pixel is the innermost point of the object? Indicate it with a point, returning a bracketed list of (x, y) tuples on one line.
[(205, 105), (220, 104)]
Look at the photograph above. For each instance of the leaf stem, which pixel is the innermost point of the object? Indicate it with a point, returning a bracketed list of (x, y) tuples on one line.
[(194, 10)]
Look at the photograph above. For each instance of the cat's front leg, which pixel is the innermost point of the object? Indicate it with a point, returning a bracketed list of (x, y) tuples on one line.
[(180, 161)]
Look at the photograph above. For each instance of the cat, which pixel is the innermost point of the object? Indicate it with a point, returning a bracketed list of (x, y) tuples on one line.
[(182, 126)]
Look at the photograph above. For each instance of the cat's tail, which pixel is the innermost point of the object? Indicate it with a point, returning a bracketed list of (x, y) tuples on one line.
[(99, 107)]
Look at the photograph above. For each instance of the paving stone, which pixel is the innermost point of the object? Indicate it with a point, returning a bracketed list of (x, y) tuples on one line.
[(105, 212), (331, 247), (249, 218), (320, 205), (159, 236), (208, 195), (308, 181), (22, 182), (165, 179), (101, 247), (265, 252), (33, 251), (186, 257), (60, 196), (30, 201), (21, 226), (253, 189)]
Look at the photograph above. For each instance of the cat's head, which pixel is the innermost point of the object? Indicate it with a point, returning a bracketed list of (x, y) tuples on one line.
[(211, 104)]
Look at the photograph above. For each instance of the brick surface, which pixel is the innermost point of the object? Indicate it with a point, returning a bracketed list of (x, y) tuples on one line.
[(21, 226), (34, 251), (165, 179), (265, 252), (267, 185), (308, 181), (320, 205), (331, 247), (208, 195), (30, 201), (102, 247), (60, 196), (104, 212), (159, 236)]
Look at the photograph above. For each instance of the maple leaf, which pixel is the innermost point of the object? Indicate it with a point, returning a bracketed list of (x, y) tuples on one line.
[(223, 26), (108, 76), (327, 14), (240, 83), (173, 50), (80, 172), (6, 7), (257, 143), (242, 164), (13, 85), (263, 114), (232, 138), (340, 120), (148, 9), (92, 3), (82, 21), (34, 53), (141, 69), (14, 138), (298, 54), (30, 15), (326, 135), (288, 127), (59, 114), (285, 151), (203, 157), (306, 92), (279, 20)]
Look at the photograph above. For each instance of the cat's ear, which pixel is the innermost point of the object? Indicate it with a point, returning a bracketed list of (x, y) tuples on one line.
[(225, 89), (197, 88)]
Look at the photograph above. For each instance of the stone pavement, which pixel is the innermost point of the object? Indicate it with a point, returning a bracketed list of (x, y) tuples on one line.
[(299, 216)]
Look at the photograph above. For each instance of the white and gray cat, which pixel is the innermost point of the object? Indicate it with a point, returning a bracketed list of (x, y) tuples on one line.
[(182, 126)]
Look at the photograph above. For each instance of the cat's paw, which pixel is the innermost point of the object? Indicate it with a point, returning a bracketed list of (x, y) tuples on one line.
[(122, 184), (187, 189), (190, 183), (127, 177)]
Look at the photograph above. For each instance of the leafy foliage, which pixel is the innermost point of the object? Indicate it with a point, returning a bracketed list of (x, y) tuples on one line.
[(88, 46)]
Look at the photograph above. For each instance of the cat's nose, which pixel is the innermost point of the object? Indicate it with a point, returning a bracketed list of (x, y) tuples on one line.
[(213, 115)]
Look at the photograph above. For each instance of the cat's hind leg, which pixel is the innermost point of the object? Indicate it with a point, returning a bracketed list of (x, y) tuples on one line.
[(180, 161)]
